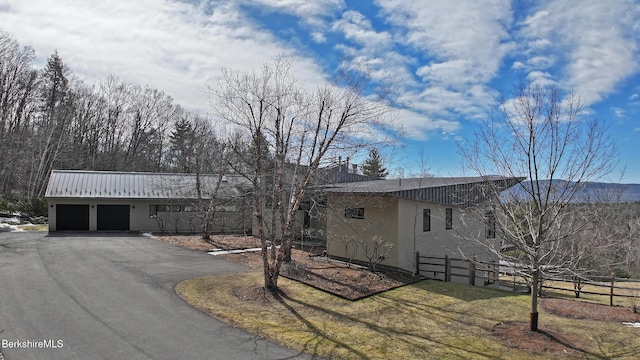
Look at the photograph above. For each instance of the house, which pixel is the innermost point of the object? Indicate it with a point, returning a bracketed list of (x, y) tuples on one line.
[(310, 217), (137, 201), (432, 216)]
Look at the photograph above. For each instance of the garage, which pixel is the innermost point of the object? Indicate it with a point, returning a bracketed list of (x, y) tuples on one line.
[(113, 217), (72, 217)]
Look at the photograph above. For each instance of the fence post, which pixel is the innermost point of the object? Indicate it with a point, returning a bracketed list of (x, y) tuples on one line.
[(611, 290), (447, 268), (472, 271), (416, 270)]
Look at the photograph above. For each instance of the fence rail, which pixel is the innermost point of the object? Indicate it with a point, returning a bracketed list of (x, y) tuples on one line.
[(611, 284), (473, 272), (456, 270)]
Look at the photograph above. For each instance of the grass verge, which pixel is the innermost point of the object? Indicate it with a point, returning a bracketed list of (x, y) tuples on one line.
[(37, 227), (426, 320)]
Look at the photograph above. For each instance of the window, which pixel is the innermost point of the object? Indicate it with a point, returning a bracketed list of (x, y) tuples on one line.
[(155, 209), (490, 218), (354, 213), (426, 219), (448, 219)]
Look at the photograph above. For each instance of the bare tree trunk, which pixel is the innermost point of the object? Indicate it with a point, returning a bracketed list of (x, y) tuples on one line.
[(533, 316)]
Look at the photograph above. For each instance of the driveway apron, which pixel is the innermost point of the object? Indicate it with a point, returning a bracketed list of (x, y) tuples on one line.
[(87, 296)]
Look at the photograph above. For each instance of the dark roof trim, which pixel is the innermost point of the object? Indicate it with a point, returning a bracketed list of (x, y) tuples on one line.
[(454, 191)]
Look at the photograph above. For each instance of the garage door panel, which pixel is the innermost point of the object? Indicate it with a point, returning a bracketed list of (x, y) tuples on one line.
[(113, 217), (72, 217)]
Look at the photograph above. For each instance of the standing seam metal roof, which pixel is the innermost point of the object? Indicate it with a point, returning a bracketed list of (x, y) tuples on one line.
[(138, 185), (455, 191)]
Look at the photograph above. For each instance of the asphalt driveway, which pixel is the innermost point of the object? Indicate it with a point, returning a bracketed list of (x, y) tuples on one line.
[(84, 296)]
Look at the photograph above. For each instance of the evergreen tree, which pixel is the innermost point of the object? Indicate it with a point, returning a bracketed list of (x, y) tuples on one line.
[(183, 140), (52, 127), (374, 166)]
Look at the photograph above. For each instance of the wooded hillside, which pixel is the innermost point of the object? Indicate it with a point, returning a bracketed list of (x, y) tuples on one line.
[(49, 119)]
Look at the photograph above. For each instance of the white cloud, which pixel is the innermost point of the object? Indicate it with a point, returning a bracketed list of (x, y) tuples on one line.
[(306, 10), (370, 49), (539, 44), (357, 28), (517, 65), (172, 46), (318, 37), (595, 39), (540, 62), (619, 112), (418, 126), (465, 43), (541, 78), (467, 33)]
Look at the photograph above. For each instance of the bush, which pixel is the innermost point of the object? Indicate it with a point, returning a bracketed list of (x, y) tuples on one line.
[(5, 205)]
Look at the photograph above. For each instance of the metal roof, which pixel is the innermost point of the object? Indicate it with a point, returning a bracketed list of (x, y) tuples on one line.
[(458, 191), (139, 185)]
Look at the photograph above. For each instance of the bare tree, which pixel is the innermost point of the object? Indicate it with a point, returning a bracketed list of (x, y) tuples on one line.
[(541, 136), (301, 128), (18, 84), (375, 250)]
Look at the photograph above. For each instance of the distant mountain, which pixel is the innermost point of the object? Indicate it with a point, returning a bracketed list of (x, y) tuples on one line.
[(595, 191)]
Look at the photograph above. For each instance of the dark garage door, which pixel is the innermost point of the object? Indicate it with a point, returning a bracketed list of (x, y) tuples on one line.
[(72, 217), (113, 217)]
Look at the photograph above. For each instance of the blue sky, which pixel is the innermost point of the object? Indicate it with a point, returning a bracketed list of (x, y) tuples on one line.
[(450, 58)]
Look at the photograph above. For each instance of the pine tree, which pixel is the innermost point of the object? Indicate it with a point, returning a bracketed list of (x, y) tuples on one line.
[(374, 166), (55, 116), (182, 146)]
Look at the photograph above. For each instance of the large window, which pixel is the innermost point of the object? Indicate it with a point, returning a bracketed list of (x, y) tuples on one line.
[(354, 213), (426, 219), (448, 219)]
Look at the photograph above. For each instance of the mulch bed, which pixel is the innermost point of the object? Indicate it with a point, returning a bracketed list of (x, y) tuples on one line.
[(553, 341), (584, 310), (547, 340), (345, 280), (342, 279)]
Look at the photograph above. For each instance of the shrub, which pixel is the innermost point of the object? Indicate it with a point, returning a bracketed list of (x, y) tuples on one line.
[(33, 207)]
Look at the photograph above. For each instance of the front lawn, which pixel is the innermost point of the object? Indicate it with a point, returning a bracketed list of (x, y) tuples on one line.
[(425, 320)]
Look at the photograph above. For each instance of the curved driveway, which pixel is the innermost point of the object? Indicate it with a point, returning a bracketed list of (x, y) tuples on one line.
[(112, 297)]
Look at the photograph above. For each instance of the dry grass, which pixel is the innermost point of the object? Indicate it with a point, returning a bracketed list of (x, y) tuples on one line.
[(430, 319), (36, 227), (631, 290)]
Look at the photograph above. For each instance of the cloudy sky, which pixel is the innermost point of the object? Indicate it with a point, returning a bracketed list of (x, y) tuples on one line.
[(450, 58)]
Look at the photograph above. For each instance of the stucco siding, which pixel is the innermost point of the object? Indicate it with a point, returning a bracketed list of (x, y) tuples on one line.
[(345, 234), (463, 240), (229, 219)]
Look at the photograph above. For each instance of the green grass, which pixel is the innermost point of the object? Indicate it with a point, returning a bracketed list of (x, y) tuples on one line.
[(426, 320)]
